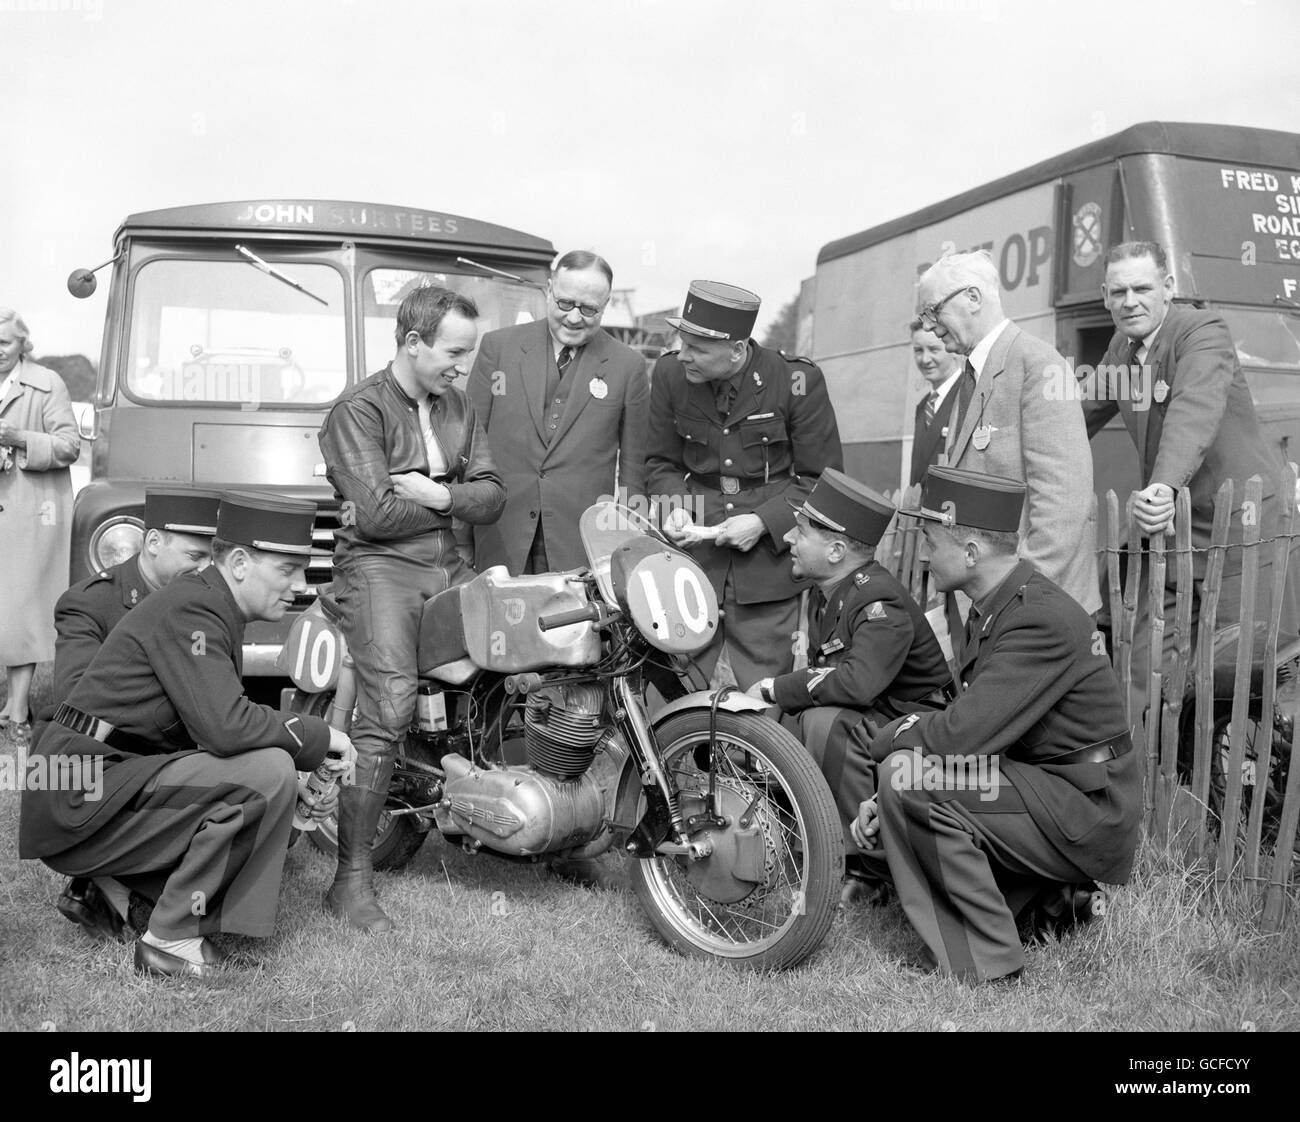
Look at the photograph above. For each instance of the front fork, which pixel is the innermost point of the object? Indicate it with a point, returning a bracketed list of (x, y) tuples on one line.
[(651, 834)]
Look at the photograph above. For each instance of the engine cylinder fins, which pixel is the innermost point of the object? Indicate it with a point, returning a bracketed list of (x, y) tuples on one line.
[(562, 726)]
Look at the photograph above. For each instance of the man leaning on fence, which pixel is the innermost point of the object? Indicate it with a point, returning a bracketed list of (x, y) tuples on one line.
[(1171, 372), (1025, 790)]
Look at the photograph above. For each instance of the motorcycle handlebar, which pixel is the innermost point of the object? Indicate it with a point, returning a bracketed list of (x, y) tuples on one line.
[(573, 615)]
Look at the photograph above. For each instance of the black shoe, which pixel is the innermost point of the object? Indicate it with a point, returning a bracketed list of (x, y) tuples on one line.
[(82, 902), (1057, 910), (861, 886), (152, 960)]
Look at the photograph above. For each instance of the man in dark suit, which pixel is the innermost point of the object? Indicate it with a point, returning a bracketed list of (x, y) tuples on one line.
[(163, 765), (564, 407), (1026, 786), (940, 368), (736, 430), (871, 651), (1171, 371)]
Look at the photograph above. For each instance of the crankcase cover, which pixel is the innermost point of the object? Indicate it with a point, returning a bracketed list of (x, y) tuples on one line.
[(517, 810)]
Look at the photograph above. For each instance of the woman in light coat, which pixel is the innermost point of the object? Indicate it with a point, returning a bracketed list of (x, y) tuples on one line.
[(38, 441)]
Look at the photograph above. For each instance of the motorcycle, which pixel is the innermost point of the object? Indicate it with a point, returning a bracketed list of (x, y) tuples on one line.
[(532, 739)]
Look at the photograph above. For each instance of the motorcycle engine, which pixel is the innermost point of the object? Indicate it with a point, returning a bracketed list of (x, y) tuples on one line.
[(559, 800), (562, 725)]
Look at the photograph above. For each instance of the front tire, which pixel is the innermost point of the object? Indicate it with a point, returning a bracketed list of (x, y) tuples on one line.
[(766, 896)]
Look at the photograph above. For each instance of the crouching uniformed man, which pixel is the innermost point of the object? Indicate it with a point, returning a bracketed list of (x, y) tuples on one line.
[(163, 763), (735, 430), (871, 652), (1026, 786), (178, 528)]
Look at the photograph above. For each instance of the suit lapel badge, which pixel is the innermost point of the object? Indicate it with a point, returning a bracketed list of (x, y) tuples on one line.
[(982, 436), (1160, 390), (598, 388)]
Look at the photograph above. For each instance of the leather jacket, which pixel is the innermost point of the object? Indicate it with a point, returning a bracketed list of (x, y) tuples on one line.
[(373, 431)]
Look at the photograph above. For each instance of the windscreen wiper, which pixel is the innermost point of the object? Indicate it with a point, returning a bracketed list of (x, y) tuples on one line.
[(498, 272), (272, 271)]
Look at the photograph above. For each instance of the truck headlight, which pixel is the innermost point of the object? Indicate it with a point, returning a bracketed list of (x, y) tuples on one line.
[(115, 541)]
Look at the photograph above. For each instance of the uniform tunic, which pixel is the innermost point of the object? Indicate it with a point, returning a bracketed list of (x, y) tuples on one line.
[(872, 654), (777, 437), (205, 784), (1036, 689), (86, 613)]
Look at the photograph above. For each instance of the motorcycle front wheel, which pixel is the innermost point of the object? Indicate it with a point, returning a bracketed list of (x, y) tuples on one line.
[(766, 895)]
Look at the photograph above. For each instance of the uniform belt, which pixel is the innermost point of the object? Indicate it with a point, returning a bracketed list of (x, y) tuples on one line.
[(1118, 745), (729, 484), (74, 719)]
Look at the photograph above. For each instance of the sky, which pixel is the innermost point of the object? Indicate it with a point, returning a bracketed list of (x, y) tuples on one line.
[(716, 138)]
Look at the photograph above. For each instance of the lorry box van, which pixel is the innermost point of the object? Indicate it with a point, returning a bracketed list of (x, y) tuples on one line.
[(1223, 201)]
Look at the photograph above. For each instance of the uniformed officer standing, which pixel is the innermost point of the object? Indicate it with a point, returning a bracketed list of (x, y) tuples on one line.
[(872, 652), (158, 761), (1026, 787), (735, 430), (178, 528)]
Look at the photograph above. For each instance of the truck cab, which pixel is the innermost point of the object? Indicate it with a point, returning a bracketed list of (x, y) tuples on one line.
[(232, 327)]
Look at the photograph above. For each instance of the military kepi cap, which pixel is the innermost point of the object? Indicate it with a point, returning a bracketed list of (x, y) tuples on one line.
[(955, 497), (847, 506), (266, 522), (182, 510), (717, 311)]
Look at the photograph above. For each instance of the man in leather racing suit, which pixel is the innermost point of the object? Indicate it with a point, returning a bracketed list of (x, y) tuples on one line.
[(406, 454)]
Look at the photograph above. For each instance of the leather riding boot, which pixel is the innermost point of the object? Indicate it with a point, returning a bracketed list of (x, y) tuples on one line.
[(352, 895)]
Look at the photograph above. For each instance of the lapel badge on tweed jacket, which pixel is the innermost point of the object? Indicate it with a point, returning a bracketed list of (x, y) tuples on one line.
[(598, 388)]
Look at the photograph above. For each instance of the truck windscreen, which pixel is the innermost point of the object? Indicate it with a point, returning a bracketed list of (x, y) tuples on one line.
[(501, 303), (223, 333)]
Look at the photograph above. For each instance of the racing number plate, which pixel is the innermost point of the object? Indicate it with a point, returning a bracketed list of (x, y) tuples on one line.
[(313, 653), (671, 602)]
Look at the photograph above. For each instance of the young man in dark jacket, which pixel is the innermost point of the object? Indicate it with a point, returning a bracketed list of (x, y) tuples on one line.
[(406, 455)]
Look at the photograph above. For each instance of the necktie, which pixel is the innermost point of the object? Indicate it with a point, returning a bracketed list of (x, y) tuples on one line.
[(555, 376), (1137, 376), (725, 396), (931, 406), (965, 391)]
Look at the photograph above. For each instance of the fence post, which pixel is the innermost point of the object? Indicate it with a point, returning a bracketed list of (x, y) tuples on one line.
[(1114, 588), (1264, 734), (1128, 621), (1156, 627), (1172, 710), (1232, 779), (1282, 855), (1205, 667)]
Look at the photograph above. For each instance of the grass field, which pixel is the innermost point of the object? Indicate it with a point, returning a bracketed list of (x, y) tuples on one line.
[(485, 944)]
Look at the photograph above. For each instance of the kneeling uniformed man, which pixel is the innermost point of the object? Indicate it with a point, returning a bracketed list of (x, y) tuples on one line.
[(158, 762), (1026, 787), (871, 652), (178, 528)]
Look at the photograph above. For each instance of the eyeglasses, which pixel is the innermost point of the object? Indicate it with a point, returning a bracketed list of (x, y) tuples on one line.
[(930, 313), (587, 311)]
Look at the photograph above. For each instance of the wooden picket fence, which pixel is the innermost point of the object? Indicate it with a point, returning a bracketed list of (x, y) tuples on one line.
[(1242, 836)]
